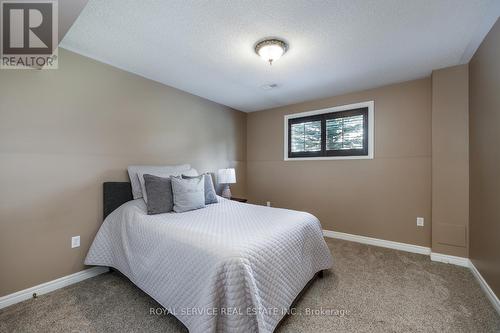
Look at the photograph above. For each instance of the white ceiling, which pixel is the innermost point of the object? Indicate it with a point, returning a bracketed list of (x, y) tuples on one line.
[(206, 47)]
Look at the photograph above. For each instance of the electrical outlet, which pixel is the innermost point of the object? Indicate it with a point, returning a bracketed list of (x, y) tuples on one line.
[(75, 241), (268, 204), (420, 221)]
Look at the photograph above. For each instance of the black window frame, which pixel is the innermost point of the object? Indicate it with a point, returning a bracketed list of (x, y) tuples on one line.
[(323, 117)]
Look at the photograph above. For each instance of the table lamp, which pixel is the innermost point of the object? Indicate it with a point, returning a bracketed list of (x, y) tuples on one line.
[(226, 177)]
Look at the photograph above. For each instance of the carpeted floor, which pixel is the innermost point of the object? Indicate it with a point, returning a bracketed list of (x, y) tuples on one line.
[(370, 289)]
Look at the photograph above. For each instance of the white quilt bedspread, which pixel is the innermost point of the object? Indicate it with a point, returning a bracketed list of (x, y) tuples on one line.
[(230, 267)]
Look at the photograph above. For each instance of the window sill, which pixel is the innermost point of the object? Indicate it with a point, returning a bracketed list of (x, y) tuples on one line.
[(326, 158), (371, 124)]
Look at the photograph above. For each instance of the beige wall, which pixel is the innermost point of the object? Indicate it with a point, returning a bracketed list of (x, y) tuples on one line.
[(378, 198), (450, 160), (63, 132), (484, 71)]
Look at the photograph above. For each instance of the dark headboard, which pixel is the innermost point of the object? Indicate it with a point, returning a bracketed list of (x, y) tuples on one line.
[(115, 194)]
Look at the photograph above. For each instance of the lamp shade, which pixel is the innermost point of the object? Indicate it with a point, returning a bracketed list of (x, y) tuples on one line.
[(226, 176)]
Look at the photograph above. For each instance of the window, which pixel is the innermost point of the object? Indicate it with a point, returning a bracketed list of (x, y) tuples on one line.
[(336, 133)]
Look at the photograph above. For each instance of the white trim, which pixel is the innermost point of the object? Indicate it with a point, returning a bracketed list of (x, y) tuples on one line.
[(486, 288), (371, 127), (438, 257), (326, 158), (447, 259), (378, 242), (47, 287)]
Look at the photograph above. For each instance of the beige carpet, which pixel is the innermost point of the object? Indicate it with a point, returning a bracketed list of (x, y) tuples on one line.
[(369, 289)]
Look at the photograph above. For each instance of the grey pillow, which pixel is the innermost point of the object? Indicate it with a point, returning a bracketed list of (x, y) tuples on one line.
[(159, 192), (210, 195), (189, 194), (165, 173)]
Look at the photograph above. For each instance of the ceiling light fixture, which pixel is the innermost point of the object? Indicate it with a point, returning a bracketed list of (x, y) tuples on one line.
[(271, 49)]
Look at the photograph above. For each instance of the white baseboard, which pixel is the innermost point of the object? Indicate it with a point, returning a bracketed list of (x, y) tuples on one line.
[(94, 271), (486, 288), (378, 242), (47, 287), (447, 259), (438, 257)]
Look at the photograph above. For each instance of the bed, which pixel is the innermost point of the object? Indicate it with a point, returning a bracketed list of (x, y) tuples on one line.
[(229, 267)]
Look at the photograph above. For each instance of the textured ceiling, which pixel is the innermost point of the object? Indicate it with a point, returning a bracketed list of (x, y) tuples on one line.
[(206, 47)]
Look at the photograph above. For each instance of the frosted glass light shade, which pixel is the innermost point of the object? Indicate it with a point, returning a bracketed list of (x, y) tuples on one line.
[(226, 176), (271, 53), (271, 50)]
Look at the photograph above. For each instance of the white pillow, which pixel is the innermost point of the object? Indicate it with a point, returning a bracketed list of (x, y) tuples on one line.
[(151, 169), (163, 174)]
